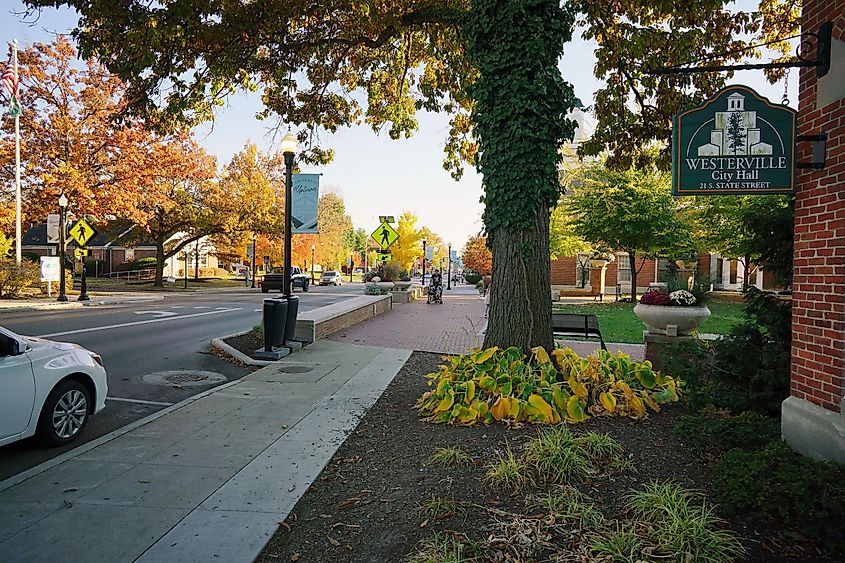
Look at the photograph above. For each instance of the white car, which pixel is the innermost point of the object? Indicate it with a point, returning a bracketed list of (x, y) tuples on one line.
[(47, 389), (331, 278)]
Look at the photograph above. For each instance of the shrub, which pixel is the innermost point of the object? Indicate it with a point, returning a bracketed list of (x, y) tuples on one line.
[(782, 488), (15, 278), (496, 385), (372, 289), (718, 431), (472, 278)]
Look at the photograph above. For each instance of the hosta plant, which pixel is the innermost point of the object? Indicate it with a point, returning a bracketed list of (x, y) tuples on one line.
[(504, 385)]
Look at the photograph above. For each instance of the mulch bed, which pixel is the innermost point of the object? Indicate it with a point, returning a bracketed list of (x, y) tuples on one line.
[(365, 504), (246, 343)]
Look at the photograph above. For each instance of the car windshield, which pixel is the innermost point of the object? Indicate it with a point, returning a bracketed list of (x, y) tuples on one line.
[(329, 274)]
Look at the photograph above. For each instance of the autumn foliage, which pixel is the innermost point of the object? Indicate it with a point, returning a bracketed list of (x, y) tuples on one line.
[(477, 257)]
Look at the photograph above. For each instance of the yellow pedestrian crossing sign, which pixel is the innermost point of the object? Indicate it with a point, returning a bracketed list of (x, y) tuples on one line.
[(385, 235), (82, 232)]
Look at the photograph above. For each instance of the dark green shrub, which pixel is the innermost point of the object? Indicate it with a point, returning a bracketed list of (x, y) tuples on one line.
[(781, 488), (472, 278), (718, 432)]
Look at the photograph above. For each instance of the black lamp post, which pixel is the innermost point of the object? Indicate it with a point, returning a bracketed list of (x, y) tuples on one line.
[(313, 248), (253, 260), (423, 275), (62, 227), (449, 278), (351, 264), (289, 151)]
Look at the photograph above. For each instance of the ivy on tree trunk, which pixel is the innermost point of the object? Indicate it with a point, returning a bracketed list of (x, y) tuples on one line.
[(519, 121)]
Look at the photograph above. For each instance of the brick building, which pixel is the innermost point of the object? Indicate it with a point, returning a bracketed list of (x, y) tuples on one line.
[(814, 415)]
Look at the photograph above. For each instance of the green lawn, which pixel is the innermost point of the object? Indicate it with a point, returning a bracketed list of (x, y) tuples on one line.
[(619, 323)]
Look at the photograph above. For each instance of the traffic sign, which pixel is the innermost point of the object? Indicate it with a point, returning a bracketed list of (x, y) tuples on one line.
[(80, 252), (384, 256), (82, 232), (385, 235)]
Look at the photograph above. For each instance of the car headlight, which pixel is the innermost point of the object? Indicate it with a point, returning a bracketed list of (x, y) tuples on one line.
[(97, 358)]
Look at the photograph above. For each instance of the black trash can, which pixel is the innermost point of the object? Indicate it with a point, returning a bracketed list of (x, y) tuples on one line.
[(275, 319), (292, 311)]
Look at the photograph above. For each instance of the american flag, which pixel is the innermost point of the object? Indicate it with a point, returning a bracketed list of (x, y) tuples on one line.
[(9, 80)]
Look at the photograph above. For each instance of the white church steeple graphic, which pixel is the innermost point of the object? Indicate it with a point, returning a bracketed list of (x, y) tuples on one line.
[(736, 132)]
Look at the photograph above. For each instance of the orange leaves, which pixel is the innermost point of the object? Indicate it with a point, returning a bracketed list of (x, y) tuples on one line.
[(477, 257)]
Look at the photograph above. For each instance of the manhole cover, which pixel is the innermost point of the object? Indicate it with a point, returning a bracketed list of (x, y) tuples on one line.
[(184, 378), (295, 369)]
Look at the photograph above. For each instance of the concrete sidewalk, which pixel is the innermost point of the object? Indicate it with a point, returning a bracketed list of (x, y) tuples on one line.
[(209, 478)]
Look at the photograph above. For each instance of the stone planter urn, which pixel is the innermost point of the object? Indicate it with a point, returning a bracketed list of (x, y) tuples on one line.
[(386, 286), (401, 285), (671, 320), (598, 263)]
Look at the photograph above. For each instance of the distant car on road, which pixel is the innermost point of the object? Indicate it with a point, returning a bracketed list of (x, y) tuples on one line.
[(275, 281), (47, 389), (331, 278)]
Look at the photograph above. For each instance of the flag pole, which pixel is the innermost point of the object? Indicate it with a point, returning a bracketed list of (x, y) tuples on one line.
[(17, 162)]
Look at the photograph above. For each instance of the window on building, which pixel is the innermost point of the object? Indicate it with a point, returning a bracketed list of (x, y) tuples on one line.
[(623, 268), (664, 269), (720, 264), (732, 278)]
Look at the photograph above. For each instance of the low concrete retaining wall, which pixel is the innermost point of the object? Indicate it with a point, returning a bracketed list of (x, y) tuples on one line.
[(319, 323)]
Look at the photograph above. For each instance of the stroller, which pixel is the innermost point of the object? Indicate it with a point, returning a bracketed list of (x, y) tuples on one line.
[(435, 289)]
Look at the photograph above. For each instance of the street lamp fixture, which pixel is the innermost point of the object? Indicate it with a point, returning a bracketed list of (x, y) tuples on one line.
[(62, 228), (289, 151), (449, 275), (423, 260)]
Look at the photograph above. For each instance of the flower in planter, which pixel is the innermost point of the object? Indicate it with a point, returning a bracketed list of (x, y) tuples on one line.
[(682, 298), (655, 298)]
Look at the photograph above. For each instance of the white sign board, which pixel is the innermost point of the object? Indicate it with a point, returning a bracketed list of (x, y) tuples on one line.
[(429, 253), (306, 193), (50, 267), (129, 254), (53, 228)]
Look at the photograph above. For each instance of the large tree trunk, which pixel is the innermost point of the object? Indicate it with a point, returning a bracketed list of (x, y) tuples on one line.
[(632, 258), (159, 282), (746, 272), (520, 303)]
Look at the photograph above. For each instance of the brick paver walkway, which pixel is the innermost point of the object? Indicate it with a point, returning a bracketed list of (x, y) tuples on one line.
[(450, 328)]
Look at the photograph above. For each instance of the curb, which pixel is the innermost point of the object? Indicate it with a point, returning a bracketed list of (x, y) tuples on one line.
[(55, 305), (219, 344)]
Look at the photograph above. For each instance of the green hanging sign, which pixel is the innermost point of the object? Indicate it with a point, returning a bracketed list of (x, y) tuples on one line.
[(736, 143)]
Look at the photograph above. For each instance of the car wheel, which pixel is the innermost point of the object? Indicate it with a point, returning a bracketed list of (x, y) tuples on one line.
[(65, 414)]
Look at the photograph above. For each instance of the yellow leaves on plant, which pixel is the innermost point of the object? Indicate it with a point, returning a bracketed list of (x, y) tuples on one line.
[(467, 415), (636, 405), (560, 397), (608, 401), (505, 408), (446, 403), (470, 391), (575, 410), (540, 355), (577, 387), (444, 385), (541, 405), (487, 383), (482, 357), (646, 377), (624, 387)]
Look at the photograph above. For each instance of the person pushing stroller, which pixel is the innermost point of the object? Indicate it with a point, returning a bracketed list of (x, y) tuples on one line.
[(435, 288)]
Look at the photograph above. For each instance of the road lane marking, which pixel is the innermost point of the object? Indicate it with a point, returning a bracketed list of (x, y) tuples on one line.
[(138, 401), (136, 323), (202, 307), (159, 314)]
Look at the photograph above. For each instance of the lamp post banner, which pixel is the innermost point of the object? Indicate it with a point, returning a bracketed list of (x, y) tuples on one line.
[(306, 194), (735, 143)]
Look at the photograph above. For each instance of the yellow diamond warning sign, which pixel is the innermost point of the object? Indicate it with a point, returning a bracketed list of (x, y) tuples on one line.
[(82, 232), (385, 235)]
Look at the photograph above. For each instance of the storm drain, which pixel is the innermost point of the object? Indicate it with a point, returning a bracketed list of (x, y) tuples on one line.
[(295, 369), (184, 378)]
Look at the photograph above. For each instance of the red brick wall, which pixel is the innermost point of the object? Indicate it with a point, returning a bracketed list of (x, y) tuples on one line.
[(563, 273), (818, 317)]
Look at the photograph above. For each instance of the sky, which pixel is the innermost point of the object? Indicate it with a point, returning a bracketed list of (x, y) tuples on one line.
[(374, 174)]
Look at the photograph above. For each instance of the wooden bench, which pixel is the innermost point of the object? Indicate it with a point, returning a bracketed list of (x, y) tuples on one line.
[(569, 324)]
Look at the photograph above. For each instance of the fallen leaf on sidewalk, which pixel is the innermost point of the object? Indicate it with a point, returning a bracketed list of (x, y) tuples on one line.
[(295, 557), (70, 490), (142, 481), (285, 525), (350, 502), (333, 541), (292, 487)]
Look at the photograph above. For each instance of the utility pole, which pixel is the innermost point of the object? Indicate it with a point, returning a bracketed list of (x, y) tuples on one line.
[(254, 237)]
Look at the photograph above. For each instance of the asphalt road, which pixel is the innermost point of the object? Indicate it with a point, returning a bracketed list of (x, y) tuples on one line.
[(140, 339)]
